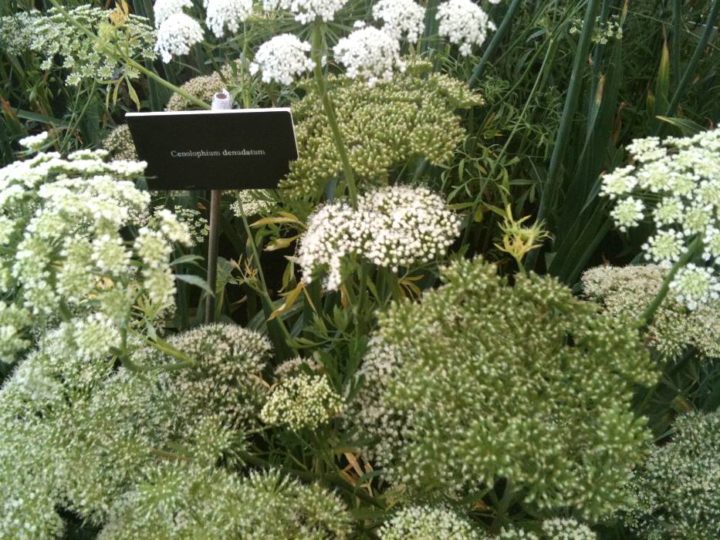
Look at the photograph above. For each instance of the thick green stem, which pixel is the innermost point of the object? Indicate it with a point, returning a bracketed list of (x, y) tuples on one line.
[(494, 43), (317, 50), (692, 252), (551, 190)]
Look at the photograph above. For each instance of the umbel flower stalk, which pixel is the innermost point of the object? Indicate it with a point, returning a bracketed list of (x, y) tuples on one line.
[(316, 53)]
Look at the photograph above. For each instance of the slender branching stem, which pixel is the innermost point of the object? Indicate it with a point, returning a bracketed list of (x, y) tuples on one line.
[(693, 251)]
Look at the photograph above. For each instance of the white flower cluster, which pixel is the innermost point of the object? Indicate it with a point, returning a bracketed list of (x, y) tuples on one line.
[(675, 183), (627, 291), (253, 202), (176, 35), (282, 59), (392, 227), (34, 142), (307, 11), (61, 43), (227, 13), (551, 529), (63, 224), (401, 18), (464, 23), (302, 401), (428, 522), (163, 9), (371, 54)]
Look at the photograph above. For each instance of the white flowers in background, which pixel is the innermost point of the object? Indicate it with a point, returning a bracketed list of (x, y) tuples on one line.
[(176, 35), (369, 53), (463, 23), (628, 213), (77, 46), (282, 59), (302, 401), (401, 18), (65, 223), (34, 142), (227, 13), (674, 184), (695, 286), (393, 227), (307, 11), (253, 202), (163, 9)]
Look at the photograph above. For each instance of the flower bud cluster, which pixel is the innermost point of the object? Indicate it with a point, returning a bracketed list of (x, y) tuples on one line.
[(677, 493), (302, 401), (63, 222), (482, 381), (384, 127)]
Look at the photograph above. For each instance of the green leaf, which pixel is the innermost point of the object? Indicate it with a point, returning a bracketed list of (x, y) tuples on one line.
[(195, 280), (686, 126), (187, 259)]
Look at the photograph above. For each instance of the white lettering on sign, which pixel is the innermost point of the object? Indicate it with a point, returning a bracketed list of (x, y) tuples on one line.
[(216, 153)]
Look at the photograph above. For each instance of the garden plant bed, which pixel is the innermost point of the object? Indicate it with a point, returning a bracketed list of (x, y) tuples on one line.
[(383, 269)]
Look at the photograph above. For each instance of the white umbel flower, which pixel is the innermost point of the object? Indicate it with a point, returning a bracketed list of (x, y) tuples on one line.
[(227, 13), (34, 142), (463, 23), (628, 213), (393, 227), (163, 9), (307, 11), (401, 17), (695, 286), (176, 35), (282, 59), (369, 53)]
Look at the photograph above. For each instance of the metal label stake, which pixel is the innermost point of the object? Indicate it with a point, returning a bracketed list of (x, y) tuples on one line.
[(221, 101)]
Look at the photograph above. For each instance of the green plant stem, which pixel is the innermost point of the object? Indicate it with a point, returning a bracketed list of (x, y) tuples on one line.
[(553, 184), (163, 82), (693, 251), (494, 43), (330, 112), (697, 55), (117, 54)]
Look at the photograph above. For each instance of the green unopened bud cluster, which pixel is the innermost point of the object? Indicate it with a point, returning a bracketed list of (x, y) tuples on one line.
[(482, 381), (677, 490), (383, 127)]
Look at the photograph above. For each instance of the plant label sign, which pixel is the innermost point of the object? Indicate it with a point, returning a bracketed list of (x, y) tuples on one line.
[(226, 149)]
